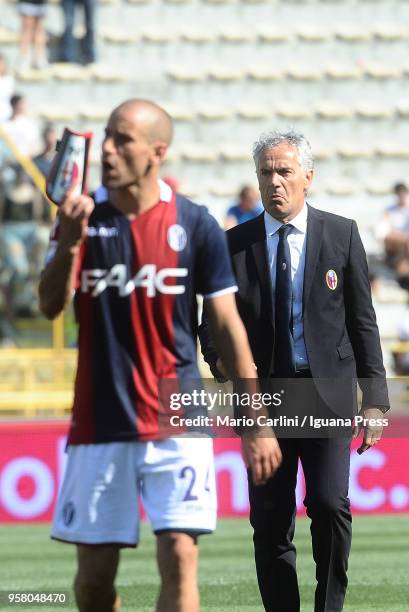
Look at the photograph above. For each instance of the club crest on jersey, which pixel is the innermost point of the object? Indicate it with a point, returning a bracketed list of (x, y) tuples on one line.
[(177, 238), (331, 279)]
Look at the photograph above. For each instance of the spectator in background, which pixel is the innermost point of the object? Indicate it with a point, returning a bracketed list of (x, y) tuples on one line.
[(44, 160), (21, 128), (247, 207), (24, 220), (69, 51), (6, 90), (32, 33), (394, 230)]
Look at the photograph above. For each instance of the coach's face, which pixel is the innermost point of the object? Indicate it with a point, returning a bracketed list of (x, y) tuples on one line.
[(128, 155), (282, 181)]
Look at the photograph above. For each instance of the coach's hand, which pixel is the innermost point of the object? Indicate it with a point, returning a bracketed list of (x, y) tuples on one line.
[(73, 214), (372, 432), (262, 454)]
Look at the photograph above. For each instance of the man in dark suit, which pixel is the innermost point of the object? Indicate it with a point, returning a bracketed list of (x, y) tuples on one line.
[(305, 300)]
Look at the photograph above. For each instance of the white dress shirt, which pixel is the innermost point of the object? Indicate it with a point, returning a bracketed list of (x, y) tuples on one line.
[(297, 243)]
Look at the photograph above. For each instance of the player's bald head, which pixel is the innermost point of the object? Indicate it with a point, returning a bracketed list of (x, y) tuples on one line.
[(154, 121)]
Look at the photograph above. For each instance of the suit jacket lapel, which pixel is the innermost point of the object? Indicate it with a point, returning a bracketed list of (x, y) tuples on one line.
[(260, 254), (314, 239)]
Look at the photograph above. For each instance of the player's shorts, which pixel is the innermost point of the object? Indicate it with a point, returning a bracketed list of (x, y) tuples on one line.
[(99, 498)]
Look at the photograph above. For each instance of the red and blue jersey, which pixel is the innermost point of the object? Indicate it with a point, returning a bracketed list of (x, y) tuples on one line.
[(135, 302)]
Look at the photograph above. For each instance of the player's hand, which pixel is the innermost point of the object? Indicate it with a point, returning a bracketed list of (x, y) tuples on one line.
[(74, 212), (262, 454), (221, 370), (372, 433)]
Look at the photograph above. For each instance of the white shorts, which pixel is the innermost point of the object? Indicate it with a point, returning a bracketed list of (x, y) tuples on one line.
[(29, 9), (99, 498)]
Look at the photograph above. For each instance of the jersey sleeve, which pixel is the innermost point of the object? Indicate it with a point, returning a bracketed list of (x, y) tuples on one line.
[(214, 275)]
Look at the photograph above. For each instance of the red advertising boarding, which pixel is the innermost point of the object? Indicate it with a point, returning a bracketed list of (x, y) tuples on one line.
[(32, 461)]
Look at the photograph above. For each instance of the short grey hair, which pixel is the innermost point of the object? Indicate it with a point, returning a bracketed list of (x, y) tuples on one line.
[(269, 140)]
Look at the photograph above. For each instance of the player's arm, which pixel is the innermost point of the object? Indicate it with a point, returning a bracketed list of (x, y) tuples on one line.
[(260, 447), (57, 280)]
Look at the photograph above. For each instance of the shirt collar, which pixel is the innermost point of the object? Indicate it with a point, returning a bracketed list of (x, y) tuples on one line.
[(165, 191), (299, 222)]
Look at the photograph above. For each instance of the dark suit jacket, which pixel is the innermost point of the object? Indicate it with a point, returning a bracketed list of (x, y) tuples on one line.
[(340, 330)]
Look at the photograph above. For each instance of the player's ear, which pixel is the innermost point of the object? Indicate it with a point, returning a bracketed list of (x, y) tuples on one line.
[(160, 150)]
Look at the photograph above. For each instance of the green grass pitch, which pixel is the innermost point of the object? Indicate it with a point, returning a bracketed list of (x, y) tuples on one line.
[(378, 572)]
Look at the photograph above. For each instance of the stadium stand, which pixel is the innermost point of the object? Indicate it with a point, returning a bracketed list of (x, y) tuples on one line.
[(229, 69)]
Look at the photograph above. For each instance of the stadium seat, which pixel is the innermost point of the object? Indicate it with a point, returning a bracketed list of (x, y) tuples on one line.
[(393, 149), (185, 73), (308, 72), (69, 72), (198, 153), (231, 34), (107, 74), (57, 113), (273, 34), (373, 110), (92, 112), (158, 35), (266, 72), (197, 35), (219, 1), (192, 190), (291, 110), (382, 70), (402, 109), (332, 109), (341, 187), (390, 32), (313, 33), (235, 153), (343, 71), (352, 33), (8, 37), (178, 112), (225, 73), (253, 111), (118, 35), (211, 112), (30, 75), (222, 189), (378, 187), (321, 153), (350, 150)]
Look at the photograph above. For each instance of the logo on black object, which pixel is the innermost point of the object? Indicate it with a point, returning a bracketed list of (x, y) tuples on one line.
[(68, 513)]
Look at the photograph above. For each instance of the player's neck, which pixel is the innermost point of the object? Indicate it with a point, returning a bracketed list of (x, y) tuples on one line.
[(135, 199)]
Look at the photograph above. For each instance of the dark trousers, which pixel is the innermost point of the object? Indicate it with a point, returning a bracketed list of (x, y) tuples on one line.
[(68, 41), (325, 463)]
